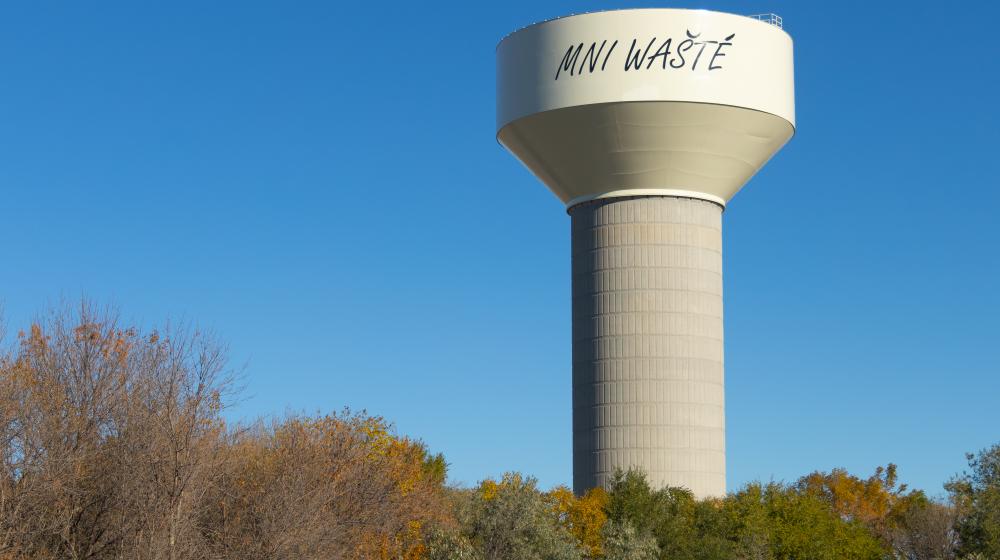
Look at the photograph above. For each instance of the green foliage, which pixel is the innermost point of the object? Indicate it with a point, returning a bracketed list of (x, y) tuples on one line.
[(751, 527), (623, 542), (879, 501), (772, 521), (782, 522), (512, 520), (976, 494), (683, 527), (434, 467), (450, 545), (631, 500)]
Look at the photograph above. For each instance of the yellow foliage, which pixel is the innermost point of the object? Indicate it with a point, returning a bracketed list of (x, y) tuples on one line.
[(295, 443), (876, 501), (489, 489), (583, 517), (407, 545), (376, 431)]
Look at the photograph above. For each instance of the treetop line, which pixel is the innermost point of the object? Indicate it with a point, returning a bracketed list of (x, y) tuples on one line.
[(643, 58)]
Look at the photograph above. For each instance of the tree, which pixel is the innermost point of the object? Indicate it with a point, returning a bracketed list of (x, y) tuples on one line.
[(976, 494), (511, 519), (336, 486), (683, 527), (108, 437), (751, 524), (785, 523), (926, 533), (583, 517), (879, 501), (622, 542), (112, 445), (445, 544)]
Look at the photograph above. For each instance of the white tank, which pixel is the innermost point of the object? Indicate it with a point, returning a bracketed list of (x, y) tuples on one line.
[(645, 123)]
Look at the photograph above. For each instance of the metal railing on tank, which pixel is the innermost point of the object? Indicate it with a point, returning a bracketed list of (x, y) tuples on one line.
[(773, 19)]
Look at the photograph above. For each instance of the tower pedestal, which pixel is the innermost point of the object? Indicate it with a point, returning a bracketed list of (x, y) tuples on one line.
[(647, 342)]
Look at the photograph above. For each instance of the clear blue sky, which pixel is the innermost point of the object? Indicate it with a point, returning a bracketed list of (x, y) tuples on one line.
[(318, 183)]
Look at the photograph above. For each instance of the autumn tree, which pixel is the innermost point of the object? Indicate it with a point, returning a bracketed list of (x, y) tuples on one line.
[(879, 501), (337, 486), (583, 517), (113, 445), (107, 437)]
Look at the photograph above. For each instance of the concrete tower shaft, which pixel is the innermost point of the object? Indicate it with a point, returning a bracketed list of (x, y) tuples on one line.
[(647, 342)]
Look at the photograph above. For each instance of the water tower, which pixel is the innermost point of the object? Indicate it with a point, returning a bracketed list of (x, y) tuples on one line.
[(645, 123)]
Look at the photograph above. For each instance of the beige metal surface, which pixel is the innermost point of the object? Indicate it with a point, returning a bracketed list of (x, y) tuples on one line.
[(643, 148), (640, 102), (647, 342), (682, 55)]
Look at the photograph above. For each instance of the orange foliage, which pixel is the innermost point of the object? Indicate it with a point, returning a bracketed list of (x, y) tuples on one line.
[(876, 501), (342, 481), (115, 447)]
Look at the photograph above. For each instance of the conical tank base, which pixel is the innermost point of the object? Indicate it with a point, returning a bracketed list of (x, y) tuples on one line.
[(695, 150)]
